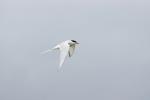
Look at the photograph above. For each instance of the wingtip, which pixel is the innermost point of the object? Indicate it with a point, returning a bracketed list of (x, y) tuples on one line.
[(60, 65), (44, 52), (59, 68)]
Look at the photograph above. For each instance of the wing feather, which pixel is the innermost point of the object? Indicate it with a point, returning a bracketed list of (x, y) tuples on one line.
[(63, 53)]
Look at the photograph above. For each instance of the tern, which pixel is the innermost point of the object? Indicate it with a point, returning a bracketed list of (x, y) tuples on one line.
[(66, 48)]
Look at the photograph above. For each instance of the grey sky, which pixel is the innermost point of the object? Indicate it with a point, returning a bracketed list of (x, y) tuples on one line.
[(111, 63)]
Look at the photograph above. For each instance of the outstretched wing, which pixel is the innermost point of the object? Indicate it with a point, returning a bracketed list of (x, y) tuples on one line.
[(71, 50), (63, 53), (44, 52), (54, 48)]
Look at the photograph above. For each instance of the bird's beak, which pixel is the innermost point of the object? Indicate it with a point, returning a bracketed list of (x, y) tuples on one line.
[(77, 43)]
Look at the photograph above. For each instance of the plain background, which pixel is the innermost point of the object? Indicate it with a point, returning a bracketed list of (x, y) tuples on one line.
[(112, 61)]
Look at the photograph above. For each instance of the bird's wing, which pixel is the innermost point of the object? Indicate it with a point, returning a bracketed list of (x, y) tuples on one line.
[(71, 50), (49, 50), (46, 51), (63, 53)]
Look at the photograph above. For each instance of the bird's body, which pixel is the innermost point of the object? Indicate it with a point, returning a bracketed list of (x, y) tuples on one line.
[(66, 48)]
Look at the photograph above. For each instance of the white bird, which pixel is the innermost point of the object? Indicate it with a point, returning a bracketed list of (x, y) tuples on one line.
[(66, 48)]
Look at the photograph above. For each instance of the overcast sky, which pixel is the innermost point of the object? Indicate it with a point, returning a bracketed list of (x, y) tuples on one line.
[(112, 61)]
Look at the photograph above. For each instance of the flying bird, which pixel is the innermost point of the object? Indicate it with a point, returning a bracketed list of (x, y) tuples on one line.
[(66, 48)]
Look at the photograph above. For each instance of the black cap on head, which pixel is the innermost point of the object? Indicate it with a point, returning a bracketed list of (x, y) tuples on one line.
[(74, 41)]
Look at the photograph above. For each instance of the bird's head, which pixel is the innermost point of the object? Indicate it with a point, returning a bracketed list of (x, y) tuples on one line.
[(74, 42)]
